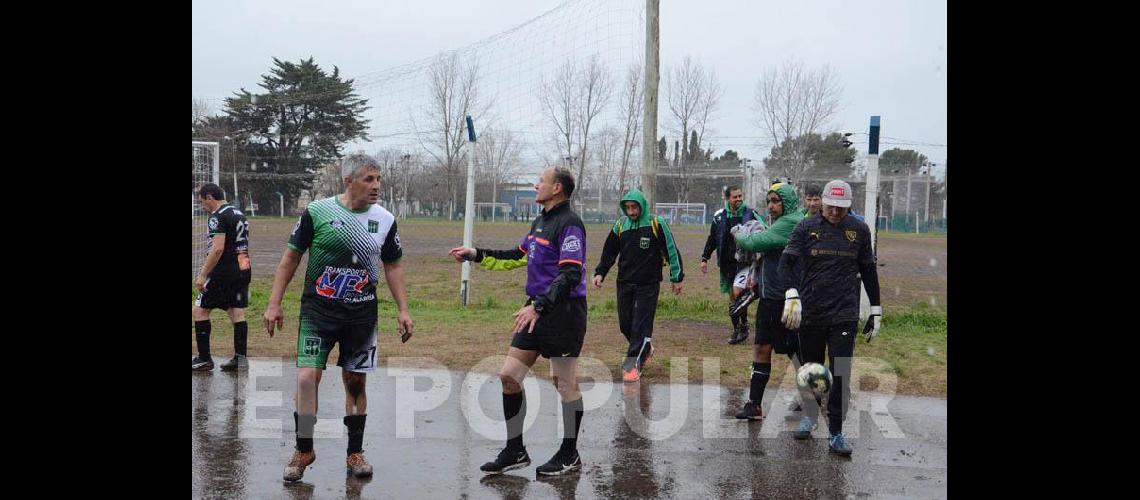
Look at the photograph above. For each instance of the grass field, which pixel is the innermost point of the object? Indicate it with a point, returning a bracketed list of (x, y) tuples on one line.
[(911, 344)]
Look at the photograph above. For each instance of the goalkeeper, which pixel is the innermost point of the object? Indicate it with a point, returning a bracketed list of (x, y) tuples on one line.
[(835, 251)]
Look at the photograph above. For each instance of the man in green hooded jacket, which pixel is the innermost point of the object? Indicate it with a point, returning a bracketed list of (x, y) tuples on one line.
[(645, 245), (771, 334)]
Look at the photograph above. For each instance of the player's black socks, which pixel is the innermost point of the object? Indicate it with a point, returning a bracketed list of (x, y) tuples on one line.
[(355, 424), (202, 335), (241, 331), (760, 374), (304, 425)]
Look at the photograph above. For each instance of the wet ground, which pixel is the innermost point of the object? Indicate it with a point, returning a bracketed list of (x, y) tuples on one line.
[(428, 431)]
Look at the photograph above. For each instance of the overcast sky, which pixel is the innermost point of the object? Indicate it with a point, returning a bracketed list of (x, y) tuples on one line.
[(890, 55)]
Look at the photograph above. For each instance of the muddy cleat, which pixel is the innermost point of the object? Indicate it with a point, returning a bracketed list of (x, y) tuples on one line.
[(357, 466), (740, 335), (732, 339), (751, 411), (508, 459), (561, 463), (199, 364), (838, 444), (296, 466), (238, 362), (804, 430), (631, 375)]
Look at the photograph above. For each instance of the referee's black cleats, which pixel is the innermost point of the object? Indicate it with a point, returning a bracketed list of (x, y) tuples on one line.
[(563, 462), (508, 459)]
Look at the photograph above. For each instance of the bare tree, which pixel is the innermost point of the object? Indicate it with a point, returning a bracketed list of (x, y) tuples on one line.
[(791, 102), (607, 165), (454, 95), (559, 97), (595, 91), (632, 100), (392, 167), (694, 95), (328, 181), (572, 99), (497, 158), (200, 110)]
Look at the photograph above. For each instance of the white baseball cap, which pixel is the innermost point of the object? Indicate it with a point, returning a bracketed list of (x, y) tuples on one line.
[(837, 194)]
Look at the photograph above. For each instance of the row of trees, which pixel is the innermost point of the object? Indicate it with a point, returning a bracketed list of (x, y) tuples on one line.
[(288, 137)]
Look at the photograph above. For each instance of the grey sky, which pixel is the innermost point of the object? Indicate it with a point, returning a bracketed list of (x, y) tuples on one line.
[(890, 55)]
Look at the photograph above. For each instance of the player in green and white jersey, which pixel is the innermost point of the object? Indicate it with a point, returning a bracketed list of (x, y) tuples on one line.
[(348, 237)]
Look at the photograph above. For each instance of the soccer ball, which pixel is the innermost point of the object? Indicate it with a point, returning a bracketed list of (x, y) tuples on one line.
[(814, 377)]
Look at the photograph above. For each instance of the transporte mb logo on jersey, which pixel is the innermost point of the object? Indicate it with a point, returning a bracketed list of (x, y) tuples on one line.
[(336, 282)]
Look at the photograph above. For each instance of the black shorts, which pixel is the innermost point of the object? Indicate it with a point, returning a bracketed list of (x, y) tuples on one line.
[(317, 336), (558, 333), (224, 294), (771, 330)]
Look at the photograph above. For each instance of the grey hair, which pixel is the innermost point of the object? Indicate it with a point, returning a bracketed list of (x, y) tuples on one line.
[(352, 164)]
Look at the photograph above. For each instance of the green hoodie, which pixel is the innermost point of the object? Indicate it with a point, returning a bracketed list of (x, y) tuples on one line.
[(772, 242), (776, 237), (626, 238)]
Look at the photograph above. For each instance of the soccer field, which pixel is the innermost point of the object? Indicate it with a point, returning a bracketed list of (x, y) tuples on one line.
[(911, 346)]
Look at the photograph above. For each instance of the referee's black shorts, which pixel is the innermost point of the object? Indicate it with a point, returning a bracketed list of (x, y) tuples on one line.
[(558, 333)]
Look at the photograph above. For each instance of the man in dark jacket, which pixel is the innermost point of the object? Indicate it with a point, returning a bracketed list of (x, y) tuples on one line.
[(644, 243), (733, 274)]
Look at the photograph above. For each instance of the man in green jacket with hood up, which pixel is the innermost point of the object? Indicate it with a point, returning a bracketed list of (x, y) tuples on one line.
[(771, 334), (645, 245)]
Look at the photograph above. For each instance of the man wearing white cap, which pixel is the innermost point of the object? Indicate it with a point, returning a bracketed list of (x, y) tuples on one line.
[(836, 250)]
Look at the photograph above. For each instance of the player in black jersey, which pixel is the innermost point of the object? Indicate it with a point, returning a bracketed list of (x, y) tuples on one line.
[(223, 282)]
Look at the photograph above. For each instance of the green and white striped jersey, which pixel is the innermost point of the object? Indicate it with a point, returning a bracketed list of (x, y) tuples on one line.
[(345, 251)]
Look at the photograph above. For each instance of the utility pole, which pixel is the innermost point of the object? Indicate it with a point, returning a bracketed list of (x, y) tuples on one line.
[(649, 113)]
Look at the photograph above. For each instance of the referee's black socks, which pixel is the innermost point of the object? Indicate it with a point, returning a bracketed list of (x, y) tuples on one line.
[(514, 411), (571, 421)]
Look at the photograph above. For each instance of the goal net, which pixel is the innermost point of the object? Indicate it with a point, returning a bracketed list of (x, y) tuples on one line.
[(206, 169), (682, 213)]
